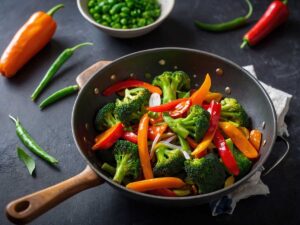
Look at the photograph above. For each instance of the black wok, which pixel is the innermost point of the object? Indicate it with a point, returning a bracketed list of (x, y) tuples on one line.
[(243, 87)]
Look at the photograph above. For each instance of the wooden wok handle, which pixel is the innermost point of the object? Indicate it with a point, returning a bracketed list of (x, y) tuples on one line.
[(89, 72), (27, 208)]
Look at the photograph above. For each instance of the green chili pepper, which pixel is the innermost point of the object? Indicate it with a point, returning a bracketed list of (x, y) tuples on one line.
[(58, 95), (61, 59), (30, 143), (229, 25)]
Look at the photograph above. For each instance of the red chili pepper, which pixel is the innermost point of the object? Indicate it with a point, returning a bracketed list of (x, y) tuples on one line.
[(130, 84), (130, 136), (181, 109), (276, 14), (106, 139), (225, 154), (153, 131), (168, 106), (163, 192), (215, 112)]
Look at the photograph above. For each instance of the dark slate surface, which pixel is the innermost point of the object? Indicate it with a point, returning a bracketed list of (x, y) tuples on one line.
[(276, 61)]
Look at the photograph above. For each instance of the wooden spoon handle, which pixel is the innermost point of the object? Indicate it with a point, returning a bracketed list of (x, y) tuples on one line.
[(89, 72), (27, 208)]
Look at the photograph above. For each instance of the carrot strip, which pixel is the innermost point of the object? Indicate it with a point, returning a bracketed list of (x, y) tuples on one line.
[(143, 147), (156, 183)]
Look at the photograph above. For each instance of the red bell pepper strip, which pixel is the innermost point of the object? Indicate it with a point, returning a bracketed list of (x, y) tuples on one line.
[(143, 147), (163, 192), (167, 106), (199, 95), (153, 131), (215, 112), (106, 139), (225, 154), (276, 14), (130, 136), (130, 84), (192, 142), (181, 109)]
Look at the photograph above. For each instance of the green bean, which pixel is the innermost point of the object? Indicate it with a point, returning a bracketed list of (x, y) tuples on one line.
[(58, 95), (109, 169), (61, 59), (30, 143)]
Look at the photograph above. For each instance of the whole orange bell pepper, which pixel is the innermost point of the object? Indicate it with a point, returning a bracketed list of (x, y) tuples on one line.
[(28, 41), (239, 139)]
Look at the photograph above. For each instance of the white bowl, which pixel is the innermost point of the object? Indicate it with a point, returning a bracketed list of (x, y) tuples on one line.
[(166, 8)]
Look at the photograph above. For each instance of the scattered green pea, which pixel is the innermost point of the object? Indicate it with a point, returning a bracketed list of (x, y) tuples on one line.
[(124, 14)]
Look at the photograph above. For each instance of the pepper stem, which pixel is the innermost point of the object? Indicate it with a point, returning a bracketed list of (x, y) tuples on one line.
[(249, 14), (13, 119), (81, 45), (285, 2), (244, 44), (54, 9)]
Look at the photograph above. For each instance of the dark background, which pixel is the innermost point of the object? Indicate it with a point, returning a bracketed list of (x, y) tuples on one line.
[(276, 61)]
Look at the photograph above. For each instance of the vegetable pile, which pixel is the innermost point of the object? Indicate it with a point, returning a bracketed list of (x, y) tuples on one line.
[(170, 140), (124, 14)]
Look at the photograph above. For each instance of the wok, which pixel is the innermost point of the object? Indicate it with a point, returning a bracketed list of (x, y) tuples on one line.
[(154, 61)]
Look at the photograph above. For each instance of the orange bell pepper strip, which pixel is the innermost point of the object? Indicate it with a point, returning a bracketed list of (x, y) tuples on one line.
[(213, 96), (106, 139), (167, 106), (143, 147), (130, 84), (28, 41), (153, 131), (215, 112), (245, 131), (239, 139), (255, 138), (199, 95), (156, 183)]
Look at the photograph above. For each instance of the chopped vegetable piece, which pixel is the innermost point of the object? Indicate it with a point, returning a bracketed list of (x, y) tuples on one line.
[(30, 143), (245, 132), (156, 183), (225, 154), (229, 181), (239, 139), (130, 84), (130, 136), (171, 83), (163, 192), (143, 147), (28, 41), (255, 138), (199, 95), (27, 159), (213, 96), (215, 111), (180, 109), (60, 60), (109, 169), (155, 130), (106, 139), (167, 106)]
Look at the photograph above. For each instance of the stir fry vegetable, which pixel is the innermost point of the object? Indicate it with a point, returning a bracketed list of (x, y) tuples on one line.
[(186, 144)]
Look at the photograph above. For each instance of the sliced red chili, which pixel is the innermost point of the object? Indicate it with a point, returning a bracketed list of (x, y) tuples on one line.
[(130, 84), (225, 154), (181, 109)]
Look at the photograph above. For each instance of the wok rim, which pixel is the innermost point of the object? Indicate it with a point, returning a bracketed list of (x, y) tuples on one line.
[(209, 195)]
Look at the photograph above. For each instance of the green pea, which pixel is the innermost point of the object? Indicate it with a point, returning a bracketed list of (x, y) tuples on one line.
[(106, 17), (124, 27), (91, 4), (116, 17), (123, 15), (98, 21), (92, 11), (123, 21), (149, 21), (96, 16), (133, 13), (116, 8), (147, 14), (117, 26), (105, 8), (125, 10), (112, 1), (141, 22), (104, 23)]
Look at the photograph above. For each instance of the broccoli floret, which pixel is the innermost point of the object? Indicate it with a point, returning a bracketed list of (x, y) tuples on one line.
[(207, 173), (232, 111), (127, 158), (195, 124), (169, 162), (242, 161), (170, 83), (106, 117), (131, 108)]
